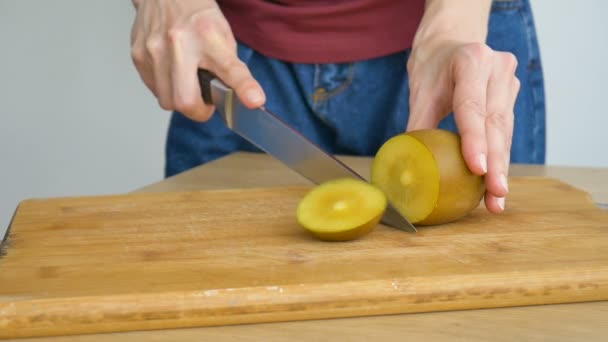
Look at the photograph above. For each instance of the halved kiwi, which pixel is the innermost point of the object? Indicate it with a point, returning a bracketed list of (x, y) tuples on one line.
[(424, 175), (341, 209)]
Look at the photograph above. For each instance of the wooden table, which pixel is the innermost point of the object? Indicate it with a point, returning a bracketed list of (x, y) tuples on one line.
[(564, 322)]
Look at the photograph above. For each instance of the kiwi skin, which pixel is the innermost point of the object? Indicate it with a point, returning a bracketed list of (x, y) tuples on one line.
[(350, 234), (460, 190)]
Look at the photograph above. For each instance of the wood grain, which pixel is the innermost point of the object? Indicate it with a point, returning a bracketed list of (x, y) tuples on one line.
[(246, 170), (198, 258)]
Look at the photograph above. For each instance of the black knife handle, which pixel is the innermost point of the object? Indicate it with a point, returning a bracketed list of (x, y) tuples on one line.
[(204, 79)]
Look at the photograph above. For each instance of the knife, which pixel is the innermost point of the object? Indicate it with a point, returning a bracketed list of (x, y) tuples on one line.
[(274, 136)]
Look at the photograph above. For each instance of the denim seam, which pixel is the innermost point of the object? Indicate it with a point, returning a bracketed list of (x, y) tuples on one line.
[(347, 82), (319, 99), (315, 85), (505, 5), (533, 59)]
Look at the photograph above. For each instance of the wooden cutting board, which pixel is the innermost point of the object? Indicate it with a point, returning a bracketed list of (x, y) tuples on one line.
[(167, 260)]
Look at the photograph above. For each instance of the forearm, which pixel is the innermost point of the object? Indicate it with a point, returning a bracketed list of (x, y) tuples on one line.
[(460, 20), (137, 3)]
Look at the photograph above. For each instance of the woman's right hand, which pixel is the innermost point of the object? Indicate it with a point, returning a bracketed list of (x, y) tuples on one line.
[(171, 40)]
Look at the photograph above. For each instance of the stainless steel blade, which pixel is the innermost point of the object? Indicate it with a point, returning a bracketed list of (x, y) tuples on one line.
[(272, 135)]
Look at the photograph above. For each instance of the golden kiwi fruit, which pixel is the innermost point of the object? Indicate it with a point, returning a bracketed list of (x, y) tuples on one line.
[(341, 209), (424, 175)]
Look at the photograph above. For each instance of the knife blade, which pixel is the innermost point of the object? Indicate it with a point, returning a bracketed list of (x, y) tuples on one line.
[(274, 136)]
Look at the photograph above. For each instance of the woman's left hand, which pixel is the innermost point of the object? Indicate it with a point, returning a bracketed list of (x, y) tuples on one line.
[(479, 86), (451, 69)]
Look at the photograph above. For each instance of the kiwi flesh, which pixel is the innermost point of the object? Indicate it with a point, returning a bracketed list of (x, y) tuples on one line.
[(341, 209)]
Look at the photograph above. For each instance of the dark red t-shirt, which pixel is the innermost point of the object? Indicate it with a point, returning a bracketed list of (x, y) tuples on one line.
[(324, 31)]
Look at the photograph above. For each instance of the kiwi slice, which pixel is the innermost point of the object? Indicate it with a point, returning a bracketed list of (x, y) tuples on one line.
[(341, 209)]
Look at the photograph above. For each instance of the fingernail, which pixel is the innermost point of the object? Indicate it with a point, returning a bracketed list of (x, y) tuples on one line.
[(255, 96), (503, 182), (483, 161), (501, 202)]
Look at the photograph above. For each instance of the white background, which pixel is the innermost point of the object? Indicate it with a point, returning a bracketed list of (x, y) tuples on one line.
[(76, 120)]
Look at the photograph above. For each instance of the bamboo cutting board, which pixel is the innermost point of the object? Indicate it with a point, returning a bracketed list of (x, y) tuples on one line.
[(183, 259)]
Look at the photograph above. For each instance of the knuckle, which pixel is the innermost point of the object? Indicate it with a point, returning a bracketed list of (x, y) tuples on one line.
[(212, 33), (470, 106), (176, 35), (478, 52), (499, 118), (516, 85), (154, 47), (138, 54), (228, 66), (184, 104), (510, 62), (203, 25)]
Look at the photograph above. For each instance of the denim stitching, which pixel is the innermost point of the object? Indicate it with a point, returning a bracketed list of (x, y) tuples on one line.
[(319, 99), (347, 82), (315, 80), (315, 85)]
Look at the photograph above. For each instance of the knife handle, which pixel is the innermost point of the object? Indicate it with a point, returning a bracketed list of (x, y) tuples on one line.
[(204, 79)]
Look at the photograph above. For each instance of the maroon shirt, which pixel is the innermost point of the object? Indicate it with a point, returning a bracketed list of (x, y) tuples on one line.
[(324, 31)]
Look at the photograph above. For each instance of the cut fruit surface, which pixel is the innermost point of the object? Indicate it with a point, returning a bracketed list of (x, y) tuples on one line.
[(406, 171), (341, 209)]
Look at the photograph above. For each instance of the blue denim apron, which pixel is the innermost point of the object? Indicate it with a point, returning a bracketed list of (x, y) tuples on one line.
[(353, 108)]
